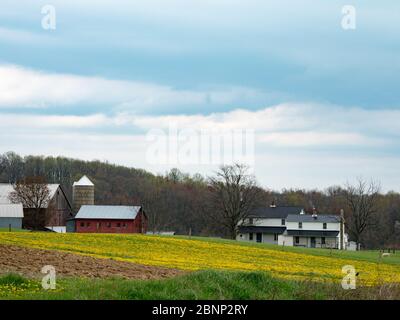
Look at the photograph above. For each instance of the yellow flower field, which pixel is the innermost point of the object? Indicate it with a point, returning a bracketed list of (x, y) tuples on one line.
[(188, 254)]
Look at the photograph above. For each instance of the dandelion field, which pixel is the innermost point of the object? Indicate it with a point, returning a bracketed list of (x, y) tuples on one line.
[(195, 254)]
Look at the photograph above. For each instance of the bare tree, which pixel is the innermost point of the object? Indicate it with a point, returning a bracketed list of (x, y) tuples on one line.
[(152, 203), (12, 166), (396, 234), (362, 201), (34, 194), (233, 195)]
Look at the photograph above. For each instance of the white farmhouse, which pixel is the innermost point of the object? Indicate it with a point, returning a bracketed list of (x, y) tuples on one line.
[(266, 224), (291, 226), (313, 231)]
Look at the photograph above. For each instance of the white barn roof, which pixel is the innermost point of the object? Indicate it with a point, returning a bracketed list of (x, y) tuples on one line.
[(11, 211), (84, 182), (6, 189), (108, 212)]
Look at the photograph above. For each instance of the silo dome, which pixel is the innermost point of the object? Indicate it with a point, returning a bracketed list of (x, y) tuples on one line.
[(82, 193)]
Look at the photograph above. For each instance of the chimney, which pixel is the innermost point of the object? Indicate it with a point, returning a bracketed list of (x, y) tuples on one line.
[(314, 214)]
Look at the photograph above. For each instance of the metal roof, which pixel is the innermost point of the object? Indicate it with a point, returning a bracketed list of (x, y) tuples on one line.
[(309, 218), (275, 212), (312, 233), (84, 182), (11, 211), (6, 189), (108, 212), (268, 230)]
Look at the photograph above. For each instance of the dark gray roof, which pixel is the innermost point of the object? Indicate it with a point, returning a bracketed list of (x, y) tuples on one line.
[(107, 212), (313, 233), (309, 218), (275, 212), (269, 230)]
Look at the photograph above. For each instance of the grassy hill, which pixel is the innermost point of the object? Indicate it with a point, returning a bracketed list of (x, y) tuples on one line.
[(200, 285), (217, 269), (207, 253)]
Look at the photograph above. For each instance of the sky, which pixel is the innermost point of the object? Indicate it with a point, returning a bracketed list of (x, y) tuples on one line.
[(141, 83)]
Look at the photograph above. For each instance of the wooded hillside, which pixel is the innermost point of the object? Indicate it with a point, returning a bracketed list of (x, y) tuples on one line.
[(179, 202)]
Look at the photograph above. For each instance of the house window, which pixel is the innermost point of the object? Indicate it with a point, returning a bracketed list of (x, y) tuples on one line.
[(283, 222), (324, 225), (323, 240), (300, 225), (108, 224), (250, 236), (297, 240), (251, 221), (82, 224), (275, 237), (124, 225), (118, 225), (88, 224)]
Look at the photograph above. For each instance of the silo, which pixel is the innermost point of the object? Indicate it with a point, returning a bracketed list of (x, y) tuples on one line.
[(82, 193)]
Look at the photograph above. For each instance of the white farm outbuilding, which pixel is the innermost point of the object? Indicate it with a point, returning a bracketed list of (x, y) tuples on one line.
[(11, 216)]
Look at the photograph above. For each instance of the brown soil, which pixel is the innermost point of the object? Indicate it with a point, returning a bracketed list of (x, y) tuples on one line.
[(29, 262)]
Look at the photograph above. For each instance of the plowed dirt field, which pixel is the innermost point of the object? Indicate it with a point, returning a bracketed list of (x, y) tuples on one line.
[(29, 262)]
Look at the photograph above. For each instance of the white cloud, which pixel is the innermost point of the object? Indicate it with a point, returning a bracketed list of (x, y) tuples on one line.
[(316, 139), (61, 122), (122, 149), (286, 125), (274, 169), (307, 170), (25, 37), (292, 124), (296, 145), (20, 87)]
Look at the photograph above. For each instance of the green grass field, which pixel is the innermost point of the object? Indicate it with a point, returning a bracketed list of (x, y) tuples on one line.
[(12, 230), (202, 285)]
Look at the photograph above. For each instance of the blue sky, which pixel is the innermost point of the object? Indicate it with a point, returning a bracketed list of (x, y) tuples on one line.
[(323, 101)]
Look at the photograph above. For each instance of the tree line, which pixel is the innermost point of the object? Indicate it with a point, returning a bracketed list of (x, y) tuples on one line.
[(213, 206)]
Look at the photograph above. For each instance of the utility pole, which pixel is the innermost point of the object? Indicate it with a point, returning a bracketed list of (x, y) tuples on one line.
[(341, 229)]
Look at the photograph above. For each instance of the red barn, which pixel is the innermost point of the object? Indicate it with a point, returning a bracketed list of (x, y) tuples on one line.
[(111, 219)]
